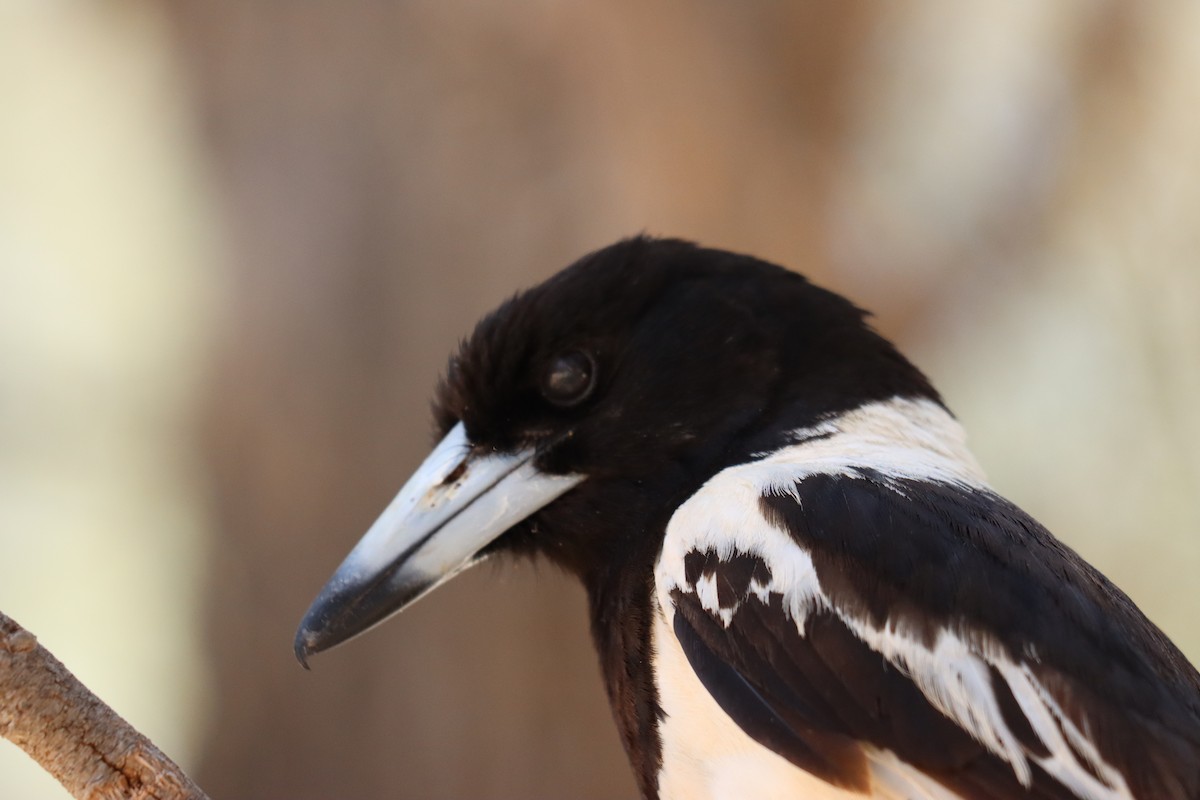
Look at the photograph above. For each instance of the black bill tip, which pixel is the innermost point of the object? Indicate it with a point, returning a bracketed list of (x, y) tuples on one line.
[(346, 608), (304, 646), (316, 633)]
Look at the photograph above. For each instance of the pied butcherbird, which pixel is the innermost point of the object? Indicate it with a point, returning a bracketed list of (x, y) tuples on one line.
[(800, 583)]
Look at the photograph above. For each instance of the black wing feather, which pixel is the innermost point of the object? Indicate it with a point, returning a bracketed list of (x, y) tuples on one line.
[(938, 556), (816, 698)]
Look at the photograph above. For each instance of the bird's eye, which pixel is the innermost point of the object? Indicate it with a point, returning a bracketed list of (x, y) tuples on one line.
[(569, 379)]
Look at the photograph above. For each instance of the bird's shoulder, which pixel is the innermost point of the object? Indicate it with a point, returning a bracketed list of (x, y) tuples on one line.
[(862, 591)]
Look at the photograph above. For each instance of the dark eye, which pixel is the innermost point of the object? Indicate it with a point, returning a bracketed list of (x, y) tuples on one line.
[(569, 379)]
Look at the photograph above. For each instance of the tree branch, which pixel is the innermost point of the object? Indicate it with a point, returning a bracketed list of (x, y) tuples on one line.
[(78, 739)]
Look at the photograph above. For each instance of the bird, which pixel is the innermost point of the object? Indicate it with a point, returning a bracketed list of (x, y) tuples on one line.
[(799, 582)]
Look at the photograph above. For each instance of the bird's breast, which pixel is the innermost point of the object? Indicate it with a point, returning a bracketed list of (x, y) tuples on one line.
[(705, 755)]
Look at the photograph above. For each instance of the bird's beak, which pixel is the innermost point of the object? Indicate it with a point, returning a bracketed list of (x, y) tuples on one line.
[(457, 502)]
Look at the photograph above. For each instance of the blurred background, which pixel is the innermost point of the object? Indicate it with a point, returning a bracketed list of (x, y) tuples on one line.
[(238, 240)]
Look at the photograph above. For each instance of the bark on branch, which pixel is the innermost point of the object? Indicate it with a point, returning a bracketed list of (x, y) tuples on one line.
[(78, 739)]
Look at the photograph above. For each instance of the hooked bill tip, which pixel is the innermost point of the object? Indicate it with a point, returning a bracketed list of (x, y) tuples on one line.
[(304, 646)]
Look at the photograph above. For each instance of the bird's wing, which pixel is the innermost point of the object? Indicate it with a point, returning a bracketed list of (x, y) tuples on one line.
[(854, 619)]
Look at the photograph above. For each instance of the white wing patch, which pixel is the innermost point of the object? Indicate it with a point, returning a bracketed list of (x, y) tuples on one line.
[(1062, 737), (903, 440)]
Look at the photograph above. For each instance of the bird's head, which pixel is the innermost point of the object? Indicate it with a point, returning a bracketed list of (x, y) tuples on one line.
[(582, 411)]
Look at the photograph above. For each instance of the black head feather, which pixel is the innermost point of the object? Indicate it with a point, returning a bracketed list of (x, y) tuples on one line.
[(693, 349)]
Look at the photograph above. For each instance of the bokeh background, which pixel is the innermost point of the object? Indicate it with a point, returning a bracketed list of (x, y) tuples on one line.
[(237, 241)]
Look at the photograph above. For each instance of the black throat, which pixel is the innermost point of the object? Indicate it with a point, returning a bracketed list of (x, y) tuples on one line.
[(616, 530), (622, 616)]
